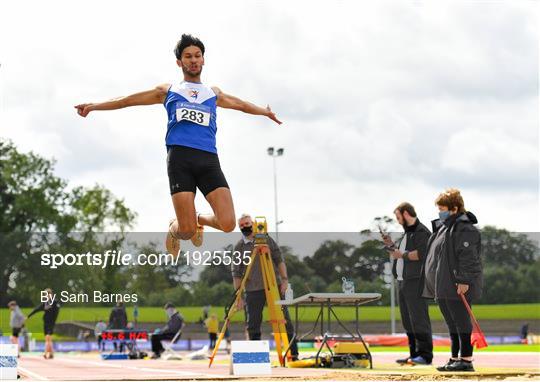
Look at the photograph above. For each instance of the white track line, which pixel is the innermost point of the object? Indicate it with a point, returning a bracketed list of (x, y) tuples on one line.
[(32, 374), (146, 369)]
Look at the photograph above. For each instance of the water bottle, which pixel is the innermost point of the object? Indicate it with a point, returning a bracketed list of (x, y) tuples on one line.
[(288, 293), (347, 286)]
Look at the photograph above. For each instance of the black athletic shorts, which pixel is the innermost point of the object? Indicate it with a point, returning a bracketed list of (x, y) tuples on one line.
[(190, 169), (15, 332), (48, 328)]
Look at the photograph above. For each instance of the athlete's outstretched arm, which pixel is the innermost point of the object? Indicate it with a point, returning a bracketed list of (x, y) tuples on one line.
[(228, 101), (149, 97)]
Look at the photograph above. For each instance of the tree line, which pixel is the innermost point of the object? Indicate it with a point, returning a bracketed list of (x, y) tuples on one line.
[(39, 213)]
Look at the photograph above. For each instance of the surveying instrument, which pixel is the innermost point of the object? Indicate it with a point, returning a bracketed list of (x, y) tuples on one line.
[(277, 318)]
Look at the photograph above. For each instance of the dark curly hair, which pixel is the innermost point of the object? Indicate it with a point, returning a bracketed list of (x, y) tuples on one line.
[(185, 41)]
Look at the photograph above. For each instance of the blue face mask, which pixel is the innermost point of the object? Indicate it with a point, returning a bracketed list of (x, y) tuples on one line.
[(443, 215)]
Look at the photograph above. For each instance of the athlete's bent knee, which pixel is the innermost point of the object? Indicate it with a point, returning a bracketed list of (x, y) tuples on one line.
[(228, 225)]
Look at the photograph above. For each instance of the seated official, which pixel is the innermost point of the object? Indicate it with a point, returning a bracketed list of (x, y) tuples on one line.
[(174, 324)]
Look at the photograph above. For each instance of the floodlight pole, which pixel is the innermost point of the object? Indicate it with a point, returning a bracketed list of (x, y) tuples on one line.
[(274, 154)]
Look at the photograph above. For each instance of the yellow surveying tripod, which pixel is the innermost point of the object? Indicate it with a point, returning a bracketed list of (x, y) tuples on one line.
[(277, 318)]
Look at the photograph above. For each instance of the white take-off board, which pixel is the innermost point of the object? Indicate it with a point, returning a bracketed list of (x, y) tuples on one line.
[(250, 358), (8, 362)]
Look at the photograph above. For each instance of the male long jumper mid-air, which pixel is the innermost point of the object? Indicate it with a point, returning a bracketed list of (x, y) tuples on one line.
[(192, 160)]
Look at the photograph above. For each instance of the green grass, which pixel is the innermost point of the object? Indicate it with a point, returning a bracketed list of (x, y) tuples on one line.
[(482, 312), (192, 314)]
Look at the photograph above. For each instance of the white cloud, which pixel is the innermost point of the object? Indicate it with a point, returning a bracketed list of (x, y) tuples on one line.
[(476, 152), (377, 98)]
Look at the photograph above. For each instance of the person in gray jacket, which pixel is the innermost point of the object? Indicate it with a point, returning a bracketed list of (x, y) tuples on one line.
[(453, 268), (255, 297), (16, 321)]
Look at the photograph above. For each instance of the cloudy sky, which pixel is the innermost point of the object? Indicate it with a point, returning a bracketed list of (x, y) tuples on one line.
[(381, 102)]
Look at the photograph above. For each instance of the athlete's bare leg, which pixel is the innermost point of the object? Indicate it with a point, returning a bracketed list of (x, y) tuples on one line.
[(223, 217), (189, 226), (48, 347), (186, 219)]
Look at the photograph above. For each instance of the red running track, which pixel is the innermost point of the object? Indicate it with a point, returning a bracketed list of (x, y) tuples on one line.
[(86, 367)]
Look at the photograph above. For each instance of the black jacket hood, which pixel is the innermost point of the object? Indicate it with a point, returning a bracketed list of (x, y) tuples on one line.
[(463, 217), (468, 216)]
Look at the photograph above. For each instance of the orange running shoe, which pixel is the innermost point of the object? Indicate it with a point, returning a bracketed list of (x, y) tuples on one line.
[(172, 242)]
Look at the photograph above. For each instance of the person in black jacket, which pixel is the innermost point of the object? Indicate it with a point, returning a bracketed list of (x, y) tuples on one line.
[(118, 317), (452, 268), (408, 258), (118, 321), (50, 310), (174, 325)]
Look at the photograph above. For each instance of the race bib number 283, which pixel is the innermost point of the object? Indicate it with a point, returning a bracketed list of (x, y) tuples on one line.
[(199, 114)]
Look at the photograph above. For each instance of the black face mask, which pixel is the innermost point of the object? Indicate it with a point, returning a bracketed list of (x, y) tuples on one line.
[(247, 230)]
